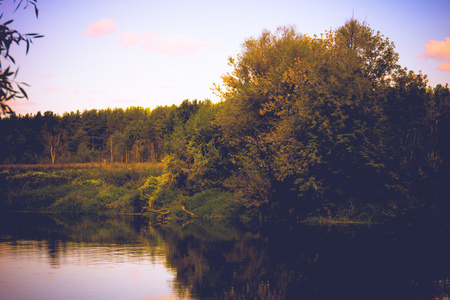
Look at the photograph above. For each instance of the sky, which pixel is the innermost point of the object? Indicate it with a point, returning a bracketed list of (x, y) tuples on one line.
[(106, 54)]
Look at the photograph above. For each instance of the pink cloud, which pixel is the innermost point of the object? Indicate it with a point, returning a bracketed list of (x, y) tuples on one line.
[(101, 28), (171, 45), (48, 76), (444, 67), (439, 50), (20, 107), (129, 39)]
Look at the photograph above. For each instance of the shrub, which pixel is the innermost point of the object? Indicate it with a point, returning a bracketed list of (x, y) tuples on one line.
[(212, 203)]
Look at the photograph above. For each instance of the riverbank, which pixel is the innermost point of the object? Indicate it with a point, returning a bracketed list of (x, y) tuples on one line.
[(111, 189), (75, 188)]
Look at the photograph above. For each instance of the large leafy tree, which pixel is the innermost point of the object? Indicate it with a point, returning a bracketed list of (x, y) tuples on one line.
[(9, 88), (304, 116)]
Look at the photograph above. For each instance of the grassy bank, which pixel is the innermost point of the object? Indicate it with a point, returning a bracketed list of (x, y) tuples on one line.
[(94, 188), (75, 188), (98, 189)]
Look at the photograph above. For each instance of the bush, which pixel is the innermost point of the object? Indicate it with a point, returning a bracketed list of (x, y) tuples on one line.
[(166, 198), (70, 204), (212, 203)]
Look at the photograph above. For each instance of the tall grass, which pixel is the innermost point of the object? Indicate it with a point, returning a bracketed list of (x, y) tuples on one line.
[(95, 188), (75, 188)]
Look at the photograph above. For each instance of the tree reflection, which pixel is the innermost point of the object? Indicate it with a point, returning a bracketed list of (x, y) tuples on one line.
[(239, 266), (58, 234), (212, 260), (305, 263)]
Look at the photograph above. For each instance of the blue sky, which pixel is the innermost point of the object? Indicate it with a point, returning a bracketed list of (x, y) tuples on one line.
[(100, 54)]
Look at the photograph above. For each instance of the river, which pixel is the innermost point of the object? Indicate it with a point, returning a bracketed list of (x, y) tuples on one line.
[(57, 257)]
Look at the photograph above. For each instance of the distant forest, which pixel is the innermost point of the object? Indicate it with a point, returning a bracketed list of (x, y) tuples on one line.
[(112, 135), (328, 125)]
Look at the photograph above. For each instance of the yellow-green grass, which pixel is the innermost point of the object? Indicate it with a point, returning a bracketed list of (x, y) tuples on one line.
[(75, 188), (73, 166)]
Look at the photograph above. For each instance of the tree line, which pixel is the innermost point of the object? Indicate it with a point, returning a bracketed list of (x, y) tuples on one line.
[(129, 135)]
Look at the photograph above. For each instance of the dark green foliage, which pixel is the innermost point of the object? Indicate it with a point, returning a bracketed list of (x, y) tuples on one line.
[(166, 198), (329, 126), (129, 136), (123, 177), (83, 154), (212, 203)]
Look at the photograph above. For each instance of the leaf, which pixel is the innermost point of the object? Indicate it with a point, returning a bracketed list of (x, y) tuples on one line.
[(18, 5), (8, 22), (12, 59), (5, 108), (23, 91), (17, 71)]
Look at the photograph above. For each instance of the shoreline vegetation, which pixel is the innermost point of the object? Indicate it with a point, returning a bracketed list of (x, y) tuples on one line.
[(322, 130), (128, 189), (100, 189), (110, 190), (115, 189)]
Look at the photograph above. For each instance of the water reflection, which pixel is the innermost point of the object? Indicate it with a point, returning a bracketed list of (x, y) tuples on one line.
[(282, 262), (45, 257), (48, 257)]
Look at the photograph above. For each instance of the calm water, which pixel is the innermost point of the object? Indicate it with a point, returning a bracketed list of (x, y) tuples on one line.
[(51, 257)]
